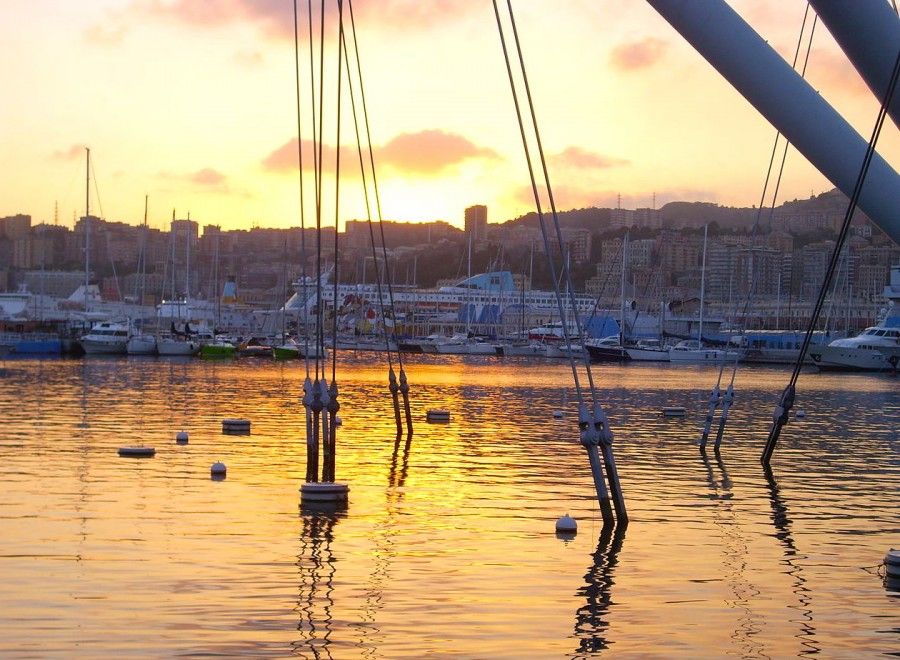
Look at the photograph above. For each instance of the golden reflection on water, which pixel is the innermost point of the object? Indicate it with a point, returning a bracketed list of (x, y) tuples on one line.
[(447, 545)]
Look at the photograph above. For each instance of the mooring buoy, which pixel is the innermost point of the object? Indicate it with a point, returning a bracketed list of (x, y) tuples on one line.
[(800, 414), (566, 525), (218, 470), (137, 452), (236, 426), (437, 415), (181, 437), (558, 414), (322, 492), (674, 411), (892, 564)]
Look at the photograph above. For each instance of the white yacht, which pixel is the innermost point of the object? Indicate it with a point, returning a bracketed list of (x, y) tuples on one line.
[(691, 350), (108, 338), (874, 349), (647, 350), (175, 345), (141, 344)]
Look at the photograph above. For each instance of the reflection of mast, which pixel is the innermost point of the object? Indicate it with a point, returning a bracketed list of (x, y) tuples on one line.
[(315, 601), (591, 618), (383, 539), (807, 633), (734, 558)]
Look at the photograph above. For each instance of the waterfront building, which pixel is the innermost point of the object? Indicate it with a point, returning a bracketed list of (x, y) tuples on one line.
[(476, 222)]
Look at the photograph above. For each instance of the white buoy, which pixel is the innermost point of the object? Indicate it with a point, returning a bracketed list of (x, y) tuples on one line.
[(323, 492), (558, 414), (218, 470), (892, 564), (437, 415), (236, 426), (566, 525), (181, 437), (674, 411), (137, 452), (800, 414)]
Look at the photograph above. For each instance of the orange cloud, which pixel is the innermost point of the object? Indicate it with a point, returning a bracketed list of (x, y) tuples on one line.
[(275, 17), (429, 152), (637, 55), (207, 177), (109, 34), (834, 71), (72, 153), (284, 158), (425, 152), (578, 158)]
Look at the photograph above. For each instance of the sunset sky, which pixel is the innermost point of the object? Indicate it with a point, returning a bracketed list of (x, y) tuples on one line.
[(193, 103)]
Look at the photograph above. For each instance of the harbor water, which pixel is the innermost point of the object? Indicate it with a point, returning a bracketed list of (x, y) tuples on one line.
[(447, 546)]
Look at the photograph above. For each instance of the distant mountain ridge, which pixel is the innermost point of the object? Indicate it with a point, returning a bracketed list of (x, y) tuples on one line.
[(694, 214)]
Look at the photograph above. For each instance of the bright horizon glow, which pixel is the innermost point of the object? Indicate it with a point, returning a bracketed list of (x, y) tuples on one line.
[(190, 101)]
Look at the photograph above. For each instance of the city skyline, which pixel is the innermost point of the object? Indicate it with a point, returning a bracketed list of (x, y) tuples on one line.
[(192, 103)]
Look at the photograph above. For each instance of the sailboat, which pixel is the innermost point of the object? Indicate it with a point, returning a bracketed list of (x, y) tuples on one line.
[(178, 342), (108, 337), (142, 343), (693, 350), (612, 348)]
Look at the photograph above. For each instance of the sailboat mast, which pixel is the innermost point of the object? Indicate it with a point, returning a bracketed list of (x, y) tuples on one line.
[(702, 285), (187, 261), (144, 255), (622, 291), (471, 304), (87, 225)]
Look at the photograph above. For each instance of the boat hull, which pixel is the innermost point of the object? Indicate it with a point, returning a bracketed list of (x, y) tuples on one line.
[(647, 354), (169, 347), (141, 345), (217, 351), (845, 358), (607, 353), (703, 355), (286, 353), (100, 347)]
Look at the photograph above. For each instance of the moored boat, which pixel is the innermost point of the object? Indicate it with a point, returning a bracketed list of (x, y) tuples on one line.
[(141, 344), (219, 348), (106, 338)]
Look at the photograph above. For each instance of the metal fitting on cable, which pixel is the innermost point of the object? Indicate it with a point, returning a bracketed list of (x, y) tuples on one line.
[(589, 436), (317, 404), (333, 405), (392, 382), (783, 409), (601, 423), (307, 393)]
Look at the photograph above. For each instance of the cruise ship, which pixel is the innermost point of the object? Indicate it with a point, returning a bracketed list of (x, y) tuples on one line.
[(489, 302)]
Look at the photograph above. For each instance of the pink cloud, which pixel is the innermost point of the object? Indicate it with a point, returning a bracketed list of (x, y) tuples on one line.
[(576, 157), (249, 59), (207, 177), (284, 158), (74, 152), (106, 34), (431, 151), (275, 17), (636, 55), (425, 152), (834, 71)]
